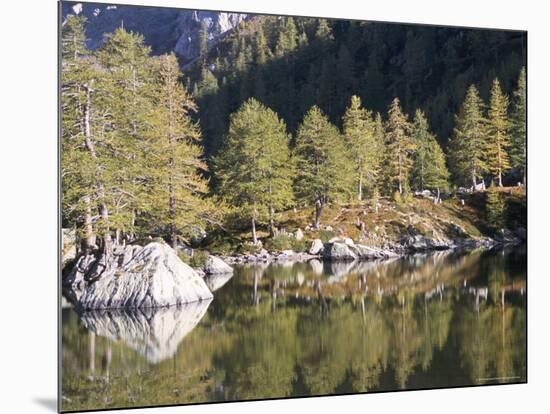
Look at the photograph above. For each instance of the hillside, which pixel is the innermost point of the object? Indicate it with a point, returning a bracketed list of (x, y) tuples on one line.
[(289, 64), (385, 228)]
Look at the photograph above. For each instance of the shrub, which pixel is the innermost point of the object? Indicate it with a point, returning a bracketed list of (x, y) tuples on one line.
[(397, 198), (198, 259), (249, 247), (299, 245), (326, 235), (495, 208), (279, 243)]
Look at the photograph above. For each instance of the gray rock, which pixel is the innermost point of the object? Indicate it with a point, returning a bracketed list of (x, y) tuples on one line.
[(348, 241), (338, 251), (135, 277), (215, 265), (316, 247)]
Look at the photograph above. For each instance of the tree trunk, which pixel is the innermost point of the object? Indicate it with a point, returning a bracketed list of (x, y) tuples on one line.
[(318, 211), (399, 163), (474, 180), (360, 193), (88, 242), (107, 241), (271, 221), (500, 178), (254, 237)]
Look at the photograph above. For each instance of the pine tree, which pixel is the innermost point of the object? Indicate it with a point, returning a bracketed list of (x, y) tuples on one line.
[(323, 167), (498, 139), (380, 145), (323, 30), (399, 148), (429, 169), (175, 187), (495, 208), (518, 133), (203, 43), (287, 40), (359, 134), (467, 145), (254, 171)]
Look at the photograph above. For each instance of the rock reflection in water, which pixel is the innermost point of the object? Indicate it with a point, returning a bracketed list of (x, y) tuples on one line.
[(217, 281), (155, 333)]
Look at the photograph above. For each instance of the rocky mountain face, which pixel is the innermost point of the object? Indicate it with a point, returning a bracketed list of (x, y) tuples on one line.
[(164, 29)]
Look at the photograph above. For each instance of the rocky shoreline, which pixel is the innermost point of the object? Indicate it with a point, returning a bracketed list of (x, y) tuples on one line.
[(345, 249), (154, 276)]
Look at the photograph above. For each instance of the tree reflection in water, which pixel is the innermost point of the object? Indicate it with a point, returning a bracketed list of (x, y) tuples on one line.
[(282, 330)]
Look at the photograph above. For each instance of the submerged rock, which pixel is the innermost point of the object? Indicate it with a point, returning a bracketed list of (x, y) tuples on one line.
[(134, 277)]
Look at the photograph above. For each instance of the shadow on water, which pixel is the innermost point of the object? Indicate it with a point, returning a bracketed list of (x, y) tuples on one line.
[(314, 328)]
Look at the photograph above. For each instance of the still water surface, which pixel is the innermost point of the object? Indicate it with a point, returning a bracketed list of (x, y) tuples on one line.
[(299, 329)]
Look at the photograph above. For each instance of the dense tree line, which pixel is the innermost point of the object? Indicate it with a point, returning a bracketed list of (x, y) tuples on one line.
[(292, 63), (134, 163)]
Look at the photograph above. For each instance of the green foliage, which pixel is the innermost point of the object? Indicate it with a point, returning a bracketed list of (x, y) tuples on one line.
[(255, 171), (279, 243), (323, 168), (130, 149), (429, 169), (360, 134), (326, 235), (495, 208), (400, 148), (197, 260), (73, 38), (518, 132), (467, 145)]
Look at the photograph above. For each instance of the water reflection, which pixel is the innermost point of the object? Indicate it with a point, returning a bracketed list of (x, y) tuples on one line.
[(281, 330), (153, 333)]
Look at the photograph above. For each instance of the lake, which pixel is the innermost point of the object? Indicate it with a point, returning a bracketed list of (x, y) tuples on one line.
[(434, 320)]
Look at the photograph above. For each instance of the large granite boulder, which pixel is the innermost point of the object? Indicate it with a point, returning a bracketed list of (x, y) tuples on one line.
[(339, 251), (134, 277), (215, 265)]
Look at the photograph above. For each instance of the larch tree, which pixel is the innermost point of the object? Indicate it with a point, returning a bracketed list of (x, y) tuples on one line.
[(254, 171), (498, 137), (359, 136), (518, 132), (79, 127), (176, 188), (400, 148), (127, 63), (322, 162), (467, 145), (429, 169)]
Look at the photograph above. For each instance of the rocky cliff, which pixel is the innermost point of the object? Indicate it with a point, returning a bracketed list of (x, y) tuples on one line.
[(164, 29)]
